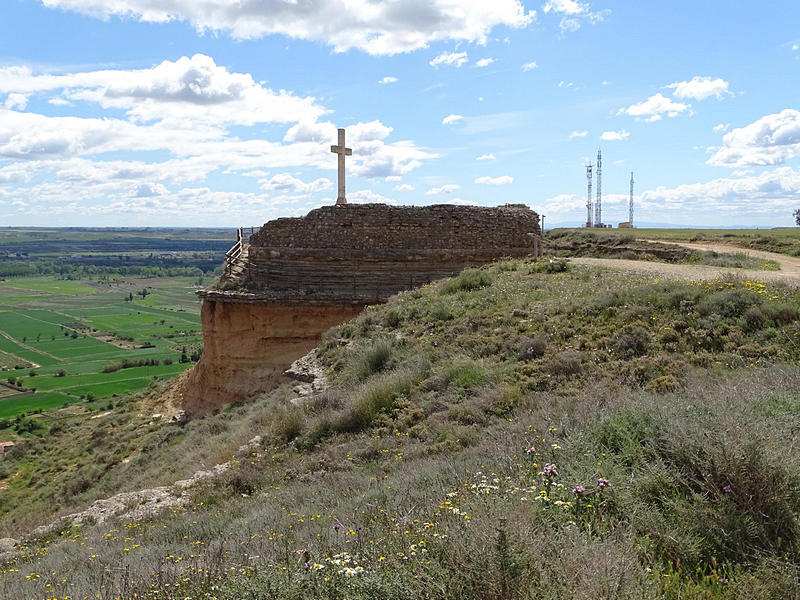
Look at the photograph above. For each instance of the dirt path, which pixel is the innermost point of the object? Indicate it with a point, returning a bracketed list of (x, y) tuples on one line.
[(789, 273)]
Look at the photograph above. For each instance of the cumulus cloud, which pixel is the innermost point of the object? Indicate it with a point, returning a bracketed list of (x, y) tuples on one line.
[(567, 7), (451, 59), (404, 187), (721, 127), (613, 136), (773, 192), (451, 119), (368, 197), (15, 100), (486, 157), (286, 183), (445, 189), (770, 140), (379, 28), (484, 62), (578, 134), (530, 66), (700, 88), (184, 111), (654, 108), (187, 91), (502, 180), (386, 80), (572, 13)]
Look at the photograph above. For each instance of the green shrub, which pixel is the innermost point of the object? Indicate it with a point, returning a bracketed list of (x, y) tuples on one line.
[(568, 363), (728, 303), (530, 348), (374, 358), (467, 281), (287, 424), (634, 342), (440, 311), (377, 397)]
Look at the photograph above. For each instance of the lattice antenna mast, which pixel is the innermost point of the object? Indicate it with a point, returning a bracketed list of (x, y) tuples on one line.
[(598, 205), (589, 194), (630, 203)]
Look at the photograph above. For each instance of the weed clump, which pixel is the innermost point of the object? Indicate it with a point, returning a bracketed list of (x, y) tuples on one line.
[(467, 281)]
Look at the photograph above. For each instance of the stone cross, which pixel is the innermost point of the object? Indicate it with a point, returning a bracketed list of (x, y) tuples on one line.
[(342, 151)]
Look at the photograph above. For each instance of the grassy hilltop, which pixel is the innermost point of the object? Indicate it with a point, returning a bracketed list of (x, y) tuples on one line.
[(520, 431)]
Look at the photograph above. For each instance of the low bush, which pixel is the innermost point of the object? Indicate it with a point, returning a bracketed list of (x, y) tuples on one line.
[(467, 281)]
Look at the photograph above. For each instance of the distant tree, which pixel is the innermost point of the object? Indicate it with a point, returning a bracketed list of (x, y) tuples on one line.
[(797, 217)]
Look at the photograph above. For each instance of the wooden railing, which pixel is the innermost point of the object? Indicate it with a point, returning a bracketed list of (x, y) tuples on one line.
[(243, 235)]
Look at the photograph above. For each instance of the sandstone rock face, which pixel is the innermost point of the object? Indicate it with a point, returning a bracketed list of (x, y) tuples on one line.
[(248, 345)]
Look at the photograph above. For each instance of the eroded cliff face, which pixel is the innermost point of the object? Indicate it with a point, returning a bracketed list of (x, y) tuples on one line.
[(248, 345)]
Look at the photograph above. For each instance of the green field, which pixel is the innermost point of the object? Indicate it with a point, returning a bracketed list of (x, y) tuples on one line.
[(71, 330)]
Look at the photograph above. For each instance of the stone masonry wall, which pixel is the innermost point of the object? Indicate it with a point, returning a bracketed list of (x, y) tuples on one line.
[(367, 252), (383, 227)]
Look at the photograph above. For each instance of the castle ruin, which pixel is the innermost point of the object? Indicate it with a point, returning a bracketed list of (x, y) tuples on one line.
[(297, 277)]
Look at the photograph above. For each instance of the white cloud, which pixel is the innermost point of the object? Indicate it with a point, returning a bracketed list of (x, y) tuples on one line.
[(572, 12), (187, 92), (530, 66), (393, 178), (404, 187), (184, 111), (567, 84), (59, 102), (773, 192), (654, 108), (461, 202), (15, 100), (568, 25), (700, 88), (378, 28), (502, 180), (451, 59), (445, 189), (578, 134), (486, 157), (451, 119), (721, 127), (770, 140), (795, 47), (368, 197), (286, 183), (566, 7), (613, 136), (386, 80), (484, 62)]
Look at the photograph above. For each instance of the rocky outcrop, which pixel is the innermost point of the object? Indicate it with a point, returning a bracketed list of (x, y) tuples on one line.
[(299, 276), (248, 344)]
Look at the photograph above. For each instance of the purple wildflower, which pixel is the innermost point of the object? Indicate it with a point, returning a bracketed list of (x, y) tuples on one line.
[(337, 527), (727, 489), (307, 566), (578, 490), (603, 482), (531, 450), (550, 470)]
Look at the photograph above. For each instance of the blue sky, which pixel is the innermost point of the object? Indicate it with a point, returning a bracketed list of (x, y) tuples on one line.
[(215, 112)]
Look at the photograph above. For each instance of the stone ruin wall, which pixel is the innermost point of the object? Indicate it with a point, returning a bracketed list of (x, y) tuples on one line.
[(367, 252)]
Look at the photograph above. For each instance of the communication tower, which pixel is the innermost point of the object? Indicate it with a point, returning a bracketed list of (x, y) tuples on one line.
[(630, 203), (589, 194), (598, 205)]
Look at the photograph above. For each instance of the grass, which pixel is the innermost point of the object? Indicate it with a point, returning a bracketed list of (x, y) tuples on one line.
[(523, 447), (783, 240)]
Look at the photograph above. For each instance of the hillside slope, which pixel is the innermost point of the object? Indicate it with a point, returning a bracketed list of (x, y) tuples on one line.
[(520, 431)]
